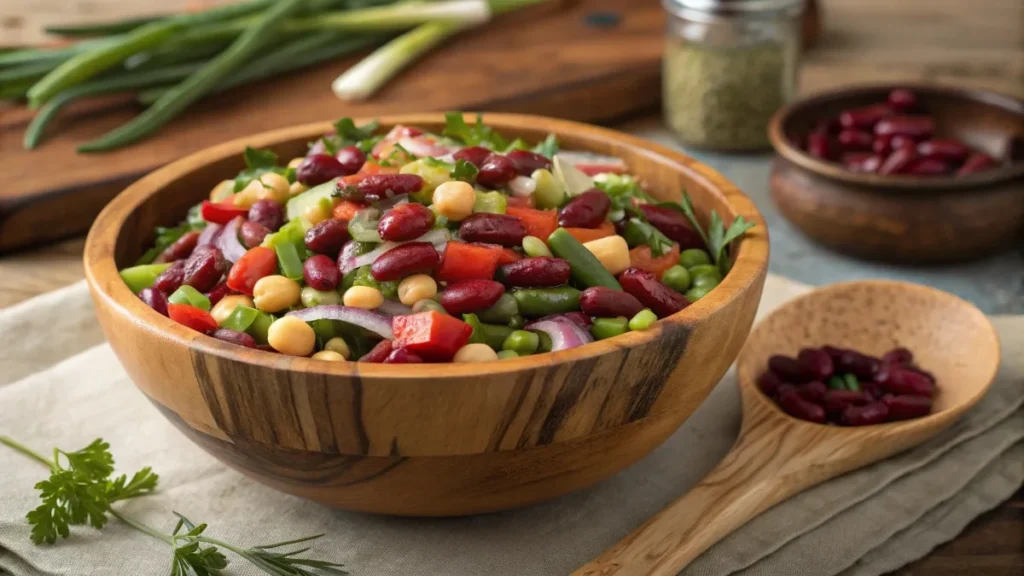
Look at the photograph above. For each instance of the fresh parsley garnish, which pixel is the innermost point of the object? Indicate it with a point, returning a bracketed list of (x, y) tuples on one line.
[(465, 171), (257, 163), (479, 134), (346, 133), (548, 147), (638, 232), (718, 237)]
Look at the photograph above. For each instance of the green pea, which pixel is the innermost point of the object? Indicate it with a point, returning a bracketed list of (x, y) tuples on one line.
[(545, 341), (693, 257), (426, 305), (705, 270), (535, 247), (677, 278), (643, 320), (835, 383), (504, 354), (313, 297), (851, 382), (517, 322), (697, 292), (608, 327), (549, 193), (704, 281), (522, 342)]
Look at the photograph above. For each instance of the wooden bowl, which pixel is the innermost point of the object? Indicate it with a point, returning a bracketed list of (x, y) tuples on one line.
[(433, 439), (904, 218)]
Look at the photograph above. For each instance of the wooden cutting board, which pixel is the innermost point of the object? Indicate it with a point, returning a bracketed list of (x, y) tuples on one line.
[(569, 59)]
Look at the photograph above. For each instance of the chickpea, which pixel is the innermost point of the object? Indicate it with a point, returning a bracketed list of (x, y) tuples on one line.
[(294, 162), (221, 310), (329, 355), (289, 335), (316, 213), (475, 353), (338, 345), (273, 186), (364, 297), (454, 200), (417, 287), (297, 188), (248, 195), (276, 293), (222, 191)]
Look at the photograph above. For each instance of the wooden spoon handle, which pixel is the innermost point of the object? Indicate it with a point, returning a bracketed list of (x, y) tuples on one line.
[(769, 463)]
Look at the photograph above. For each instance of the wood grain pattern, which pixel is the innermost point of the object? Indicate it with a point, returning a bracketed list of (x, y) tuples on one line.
[(777, 456), (436, 439), (904, 218)]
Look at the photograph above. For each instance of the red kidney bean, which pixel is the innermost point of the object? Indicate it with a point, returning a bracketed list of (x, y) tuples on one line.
[(852, 139), (945, 149), (903, 381), (882, 145), (500, 229), (923, 373), (155, 299), (327, 237), (865, 415), (976, 162), (828, 126), (769, 383), (794, 405), (204, 268), (538, 272), (833, 352), (905, 407), (789, 369), (899, 160), (588, 210), (405, 222), (405, 260), (267, 348), (837, 400), (673, 225), (864, 118), (609, 303), (862, 162), (898, 356), (374, 187), (219, 291), (180, 249), (813, 392), (253, 233), (873, 389), (170, 280), (496, 171), (470, 296), (379, 352), (820, 145), (928, 167), (319, 168), (815, 363), (402, 355), (916, 127), (268, 213), (526, 162), (646, 288), (902, 100), (234, 337), (475, 155), (351, 159), (860, 365), (581, 319), (321, 272)]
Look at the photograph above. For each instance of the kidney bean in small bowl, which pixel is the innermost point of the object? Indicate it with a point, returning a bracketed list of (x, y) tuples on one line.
[(906, 173)]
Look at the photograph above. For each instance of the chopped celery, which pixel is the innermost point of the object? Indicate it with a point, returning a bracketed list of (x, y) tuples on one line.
[(363, 277), (492, 202), (142, 276), (288, 259), (260, 326), (433, 172)]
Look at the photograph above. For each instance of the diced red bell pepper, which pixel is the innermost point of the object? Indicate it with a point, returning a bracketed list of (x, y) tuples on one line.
[(195, 318), (461, 261), (539, 223), (432, 335), (508, 256), (256, 263), (517, 202), (346, 210), (587, 234), (221, 212), (378, 353), (640, 257)]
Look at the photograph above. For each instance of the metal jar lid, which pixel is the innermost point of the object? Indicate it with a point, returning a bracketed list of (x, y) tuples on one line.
[(738, 8)]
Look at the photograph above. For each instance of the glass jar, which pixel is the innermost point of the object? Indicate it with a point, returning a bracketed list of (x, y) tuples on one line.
[(728, 66)]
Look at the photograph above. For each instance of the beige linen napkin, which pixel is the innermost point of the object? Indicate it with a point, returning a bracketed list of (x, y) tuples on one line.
[(862, 524)]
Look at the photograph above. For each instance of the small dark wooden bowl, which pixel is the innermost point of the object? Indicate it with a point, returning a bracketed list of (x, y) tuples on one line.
[(904, 218), (431, 439)]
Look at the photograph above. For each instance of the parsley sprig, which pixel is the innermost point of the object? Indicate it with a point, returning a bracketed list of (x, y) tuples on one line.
[(80, 490), (718, 236)]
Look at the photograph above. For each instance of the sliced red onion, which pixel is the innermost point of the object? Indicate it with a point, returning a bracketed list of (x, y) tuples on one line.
[(578, 318), (522, 186), (209, 234), (375, 322), (394, 135), (564, 333), (393, 308), (591, 164), (228, 240), (421, 147)]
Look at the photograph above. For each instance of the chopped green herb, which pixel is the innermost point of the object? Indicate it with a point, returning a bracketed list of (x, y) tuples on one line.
[(464, 171), (477, 135), (549, 147), (257, 163)]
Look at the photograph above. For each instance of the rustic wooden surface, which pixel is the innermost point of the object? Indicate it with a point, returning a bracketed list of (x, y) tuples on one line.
[(976, 44)]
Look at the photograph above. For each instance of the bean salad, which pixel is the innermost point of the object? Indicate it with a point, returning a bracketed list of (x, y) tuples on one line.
[(407, 247)]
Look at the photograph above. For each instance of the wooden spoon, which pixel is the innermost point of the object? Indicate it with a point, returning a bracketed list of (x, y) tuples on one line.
[(776, 455)]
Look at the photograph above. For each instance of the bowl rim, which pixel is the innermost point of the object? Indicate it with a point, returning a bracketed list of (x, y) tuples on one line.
[(902, 183), (101, 271)]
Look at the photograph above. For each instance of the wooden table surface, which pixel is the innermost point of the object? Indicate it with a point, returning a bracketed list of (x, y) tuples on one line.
[(978, 43)]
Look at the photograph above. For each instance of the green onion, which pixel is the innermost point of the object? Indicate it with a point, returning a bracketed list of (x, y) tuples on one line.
[(400, 16), (186, 294)]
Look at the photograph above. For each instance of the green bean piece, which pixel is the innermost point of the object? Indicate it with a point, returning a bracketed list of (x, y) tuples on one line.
[(240, 318), (677, 278), (502, 312), (427, 305), (477, 336), (186, 294), (260, 326), (517, 321), (545, 341), (585, 268), (603, 328), (550, 192), (697, 292), (535, 247), (288, 259), (142, 276), (835, 383), (693, 257), (86, 65), (312, 297), (490, 334), (522, 342), (505, 354), (851, 382), (490, 202), (535, 302), (643, 320), (195, 86)]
